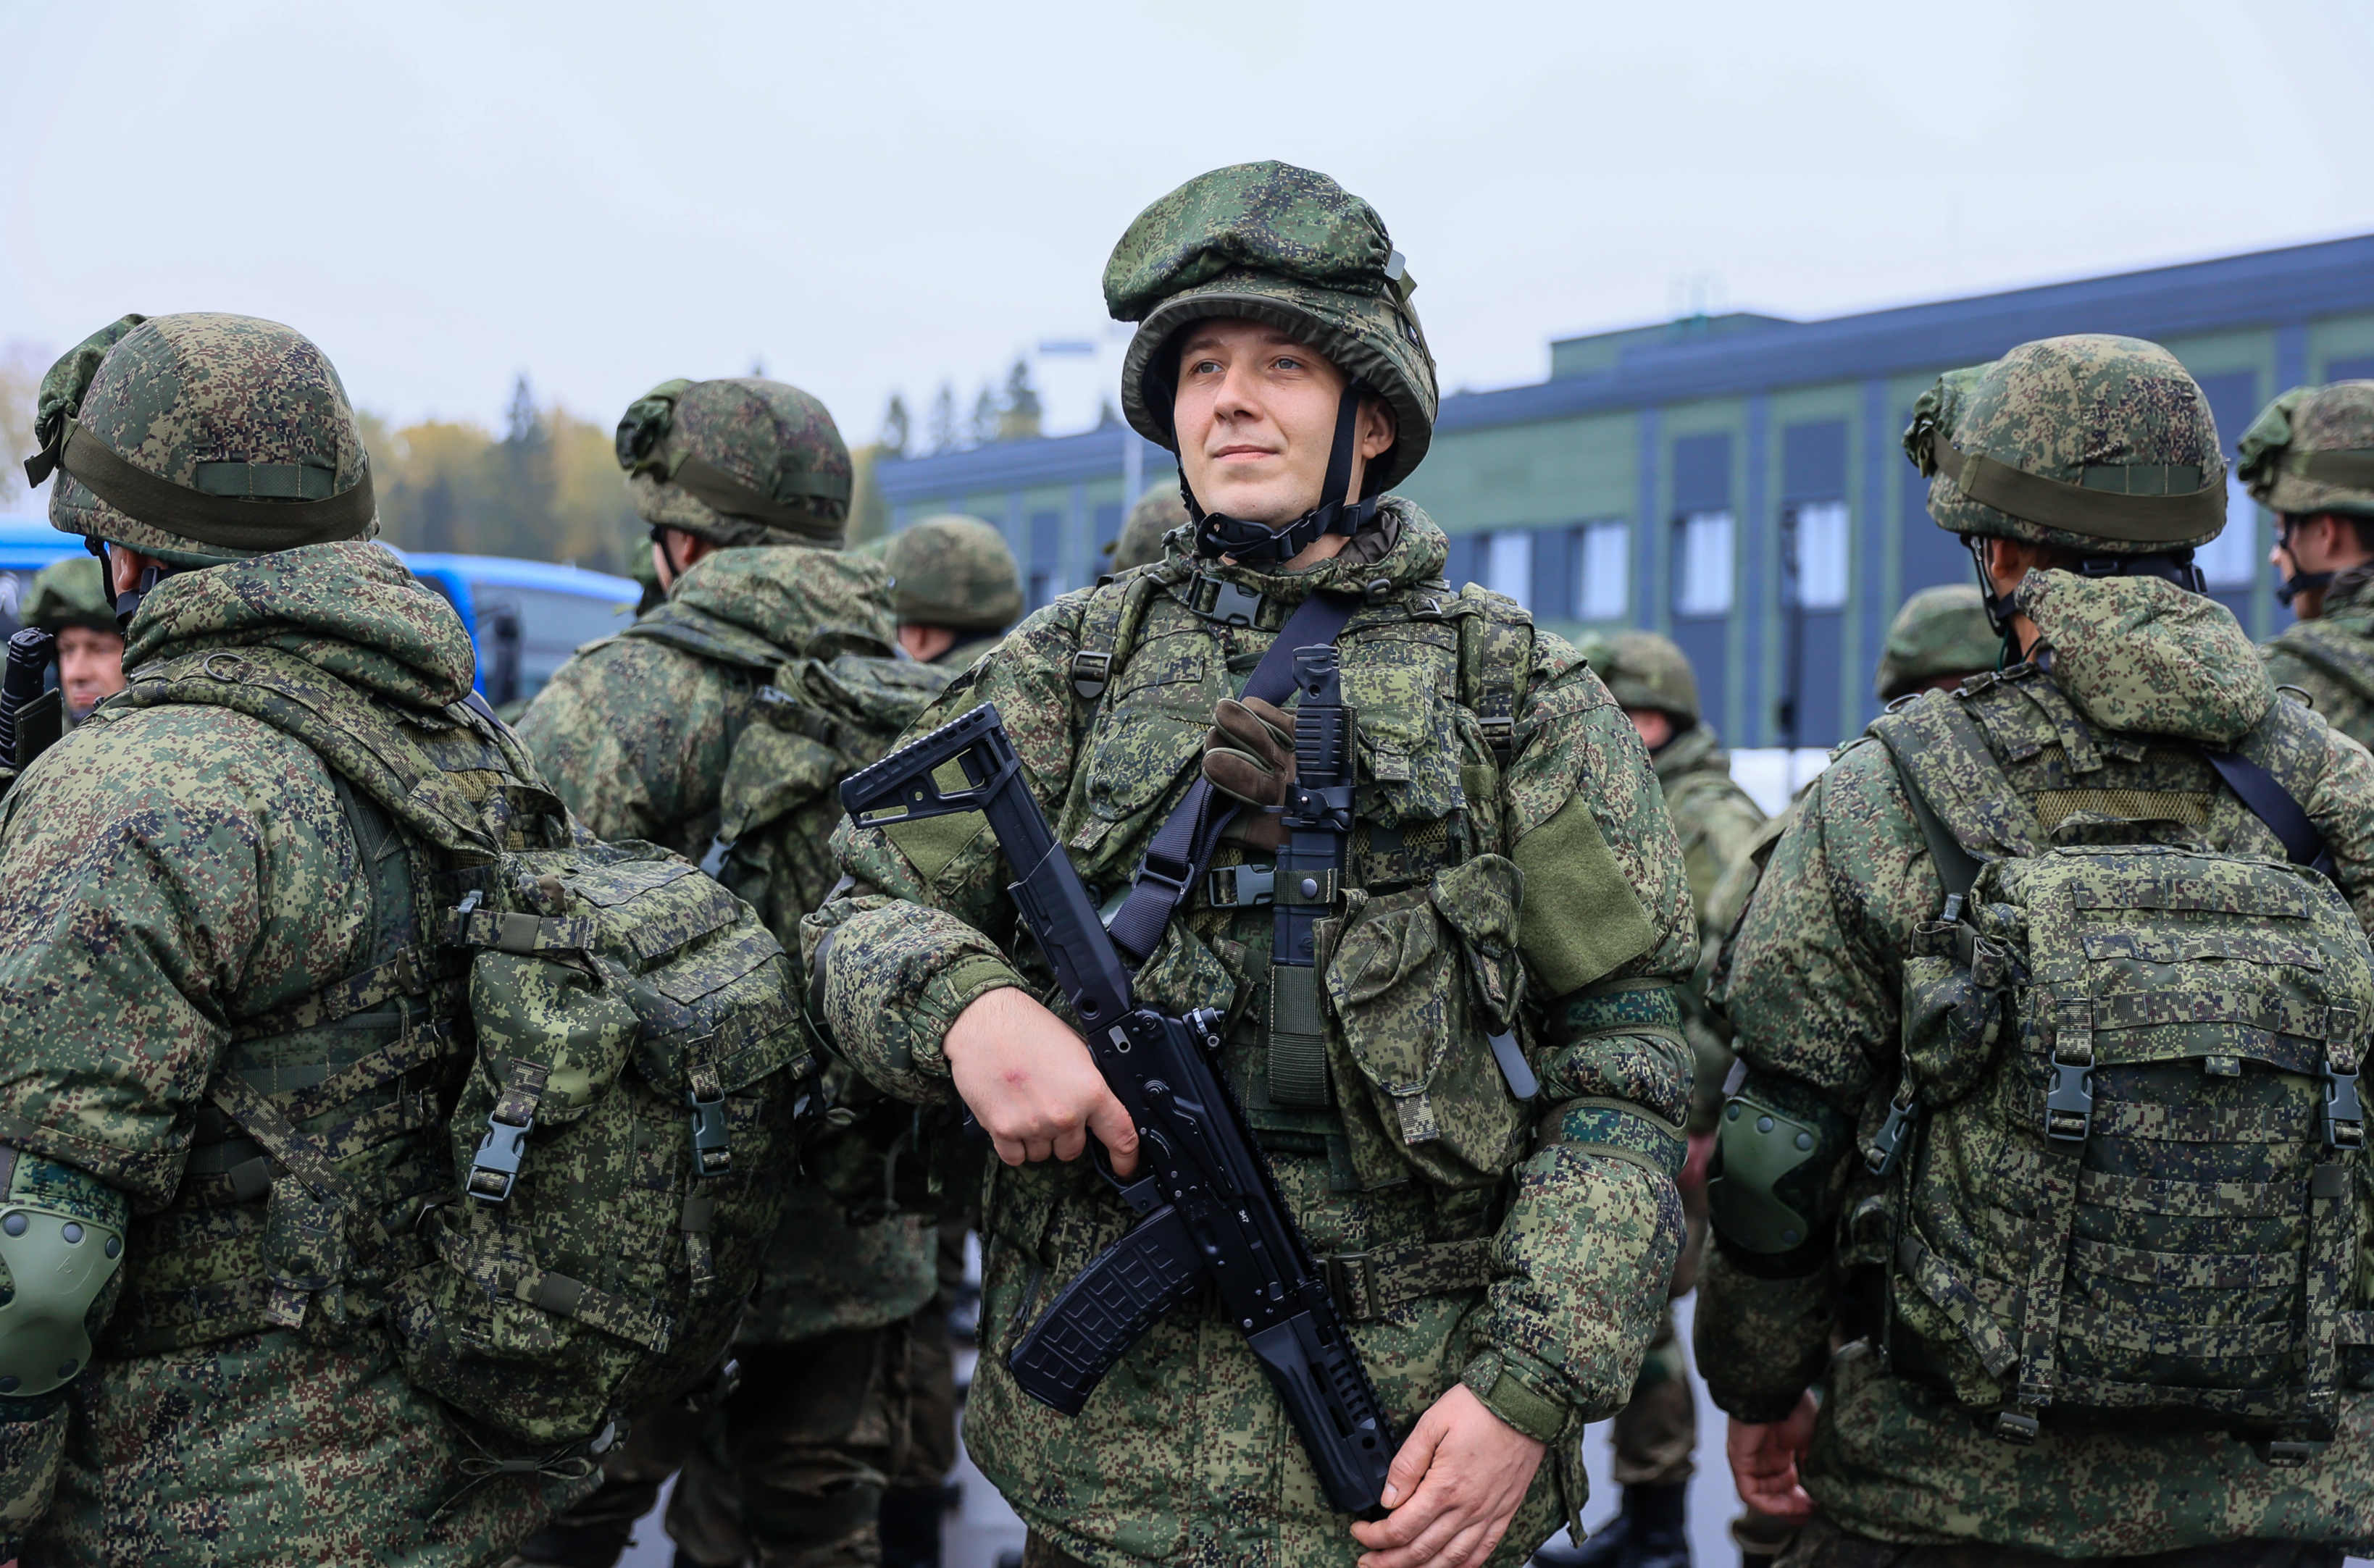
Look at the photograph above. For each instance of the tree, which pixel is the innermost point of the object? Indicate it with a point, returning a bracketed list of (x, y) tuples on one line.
[(942, 430), (21, 382), (1019, 419), (893, 439), (985, 414)]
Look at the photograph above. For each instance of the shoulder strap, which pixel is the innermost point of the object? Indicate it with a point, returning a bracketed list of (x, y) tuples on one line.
[(2271, 802), (1183, 844), (1107, 628), (1966, 809), (1496, 645)]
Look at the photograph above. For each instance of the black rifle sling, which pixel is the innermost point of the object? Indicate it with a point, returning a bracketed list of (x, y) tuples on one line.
[(1183, 844), (2273, 804)]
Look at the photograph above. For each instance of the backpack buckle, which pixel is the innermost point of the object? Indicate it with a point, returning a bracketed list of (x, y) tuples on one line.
[(712, 1150), (2015, 1427), (1887, 1149), (1239, 887), (2069, 1105), (1090, 669), (2342, 1117), (1500, 730), (495, 1167)]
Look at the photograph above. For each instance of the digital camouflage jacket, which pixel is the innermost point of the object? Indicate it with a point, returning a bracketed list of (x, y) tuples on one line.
[(2140, 675), (165, 874), (635, 733), (2332, 658), (1716, 821), (1523, 1248)]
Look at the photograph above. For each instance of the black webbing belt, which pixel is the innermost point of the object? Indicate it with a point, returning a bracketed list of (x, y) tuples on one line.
[(2273, 804), (1183, 844)]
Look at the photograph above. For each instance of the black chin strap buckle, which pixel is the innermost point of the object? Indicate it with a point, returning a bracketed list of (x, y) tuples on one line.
[(1339, 512)]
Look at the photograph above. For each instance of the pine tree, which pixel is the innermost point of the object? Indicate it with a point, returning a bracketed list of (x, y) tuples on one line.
[(984, 419), (942, 430), (1019, 419), (893, 439)]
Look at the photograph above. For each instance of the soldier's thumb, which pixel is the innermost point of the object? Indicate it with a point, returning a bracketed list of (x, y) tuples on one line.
[(1415, 1457), (1111, 1125)]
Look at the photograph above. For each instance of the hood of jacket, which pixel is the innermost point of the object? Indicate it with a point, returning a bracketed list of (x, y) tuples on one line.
[(350, 608), (1403, 546), (2142, 655), (1696, 750), (787, 595)]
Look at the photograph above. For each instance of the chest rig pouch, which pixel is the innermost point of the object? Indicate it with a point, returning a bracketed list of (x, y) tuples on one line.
[(2123, 1165), (618, 1052)]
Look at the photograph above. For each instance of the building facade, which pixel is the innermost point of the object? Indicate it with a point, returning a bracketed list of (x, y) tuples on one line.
[(1738, 481)]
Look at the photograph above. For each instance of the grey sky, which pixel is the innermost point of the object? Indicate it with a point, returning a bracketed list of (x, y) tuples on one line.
[(870, 197)]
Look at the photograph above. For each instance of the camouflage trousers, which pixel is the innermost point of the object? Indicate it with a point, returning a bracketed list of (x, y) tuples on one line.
[(787, 1473), (1823, 1545), (1657, 1431), (265, 1450)]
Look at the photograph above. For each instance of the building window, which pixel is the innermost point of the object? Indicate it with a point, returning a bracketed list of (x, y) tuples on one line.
[(2231, 560), (1508, 563), (1605, 561), (1702, 563), (1817, 565)]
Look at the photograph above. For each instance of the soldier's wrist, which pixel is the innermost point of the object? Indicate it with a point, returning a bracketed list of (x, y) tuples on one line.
[(957, 987), (1506, 1389)]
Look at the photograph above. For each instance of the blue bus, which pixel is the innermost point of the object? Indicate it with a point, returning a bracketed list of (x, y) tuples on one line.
[(525, 617)]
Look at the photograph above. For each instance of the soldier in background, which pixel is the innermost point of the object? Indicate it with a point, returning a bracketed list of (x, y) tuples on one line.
[(69, 601), (1139, 543), (745, 483), (1940, 639), (1656, 1433), (2309, 459), (957, 588)]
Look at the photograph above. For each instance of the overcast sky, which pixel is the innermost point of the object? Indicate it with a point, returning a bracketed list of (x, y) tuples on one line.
[(882, 197)]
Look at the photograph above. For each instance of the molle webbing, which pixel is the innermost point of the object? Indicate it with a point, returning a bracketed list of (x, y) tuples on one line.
[(2137, 504), (219, 511)]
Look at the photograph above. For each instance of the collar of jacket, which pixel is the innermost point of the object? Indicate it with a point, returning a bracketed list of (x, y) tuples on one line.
[(786, 594), (1402, 549), (2140, 655)]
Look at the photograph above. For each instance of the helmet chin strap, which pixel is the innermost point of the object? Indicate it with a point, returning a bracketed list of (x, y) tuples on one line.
[(127, 604), (2292, 586), (1254, 544)]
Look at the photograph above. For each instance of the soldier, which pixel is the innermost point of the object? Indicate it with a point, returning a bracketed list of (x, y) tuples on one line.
[(2309, 459), (184, 888), (1656, 1433), (1139, 543), (1502, 1262), (958, 588), (69, 601), (1940, 639), (745, 483), (1950, 1113)]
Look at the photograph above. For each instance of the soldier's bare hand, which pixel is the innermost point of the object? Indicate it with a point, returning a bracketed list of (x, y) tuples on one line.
[(1030, 1082), (1763, 1462), (1452, 1489)]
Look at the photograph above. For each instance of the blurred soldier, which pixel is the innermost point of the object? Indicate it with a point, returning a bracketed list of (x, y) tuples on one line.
[(1940, 639), (69, 601), (956, 587), (745, 483), (1140, 542), (1656, 1431), (1502, 1262), (2309, 459), (197, 918), (2097, 1243)]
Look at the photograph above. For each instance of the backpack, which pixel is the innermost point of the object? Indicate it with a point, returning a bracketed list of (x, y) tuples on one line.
[(630, 1048), (2122, 1162)]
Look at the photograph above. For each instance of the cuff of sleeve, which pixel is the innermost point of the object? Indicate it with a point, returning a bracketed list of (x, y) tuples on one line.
[(1516, 1399), (956, 988)]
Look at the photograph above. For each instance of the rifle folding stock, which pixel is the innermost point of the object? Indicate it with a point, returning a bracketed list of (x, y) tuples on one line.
[(1210, 1216)]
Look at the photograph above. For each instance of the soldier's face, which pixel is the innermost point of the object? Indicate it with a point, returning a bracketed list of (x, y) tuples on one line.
[(90, 666), (1255, 415)]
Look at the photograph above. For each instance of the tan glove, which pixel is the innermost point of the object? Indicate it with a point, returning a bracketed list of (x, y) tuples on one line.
[(1249, 757)]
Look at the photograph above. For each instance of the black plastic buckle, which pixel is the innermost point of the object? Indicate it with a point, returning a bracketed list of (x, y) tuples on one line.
[(712, 1152), (1352, 1281), (1090, 669), (2286, 1453), (2016, 1428), (1239, 887), (1886, 1151), (2069, 1107), (495, 1167), (2342, 1119)]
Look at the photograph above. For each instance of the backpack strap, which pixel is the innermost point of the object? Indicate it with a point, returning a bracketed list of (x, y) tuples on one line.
[(2275, 805), (1495, 650), (1108, 629), (1964, 807)]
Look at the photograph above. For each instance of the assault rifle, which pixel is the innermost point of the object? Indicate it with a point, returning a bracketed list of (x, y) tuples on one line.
[(30, 718), (1210, 1215)]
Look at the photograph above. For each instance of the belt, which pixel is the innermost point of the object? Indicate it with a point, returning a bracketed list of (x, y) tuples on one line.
[(1366, 1285)]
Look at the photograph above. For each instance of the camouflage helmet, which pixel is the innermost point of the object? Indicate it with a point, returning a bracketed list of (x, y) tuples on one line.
[(1940, 631), (1644, 670), (71, 593), (1157, 513), (955, 572), (738, 462), (2312, 450), (1288, 248), (198, 438), (2095, 443)]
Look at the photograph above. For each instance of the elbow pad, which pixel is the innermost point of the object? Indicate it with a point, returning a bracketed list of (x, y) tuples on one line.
[(61, 1252), (1773, 1187)]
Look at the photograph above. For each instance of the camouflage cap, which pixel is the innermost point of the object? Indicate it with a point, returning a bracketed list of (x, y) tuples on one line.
[(1290, 248), (202, 438), (737, 462), (2312, 450), (2091, 442), (955, 572), (1157, 512), (1940, 631), (1644, 670), (69, 593)]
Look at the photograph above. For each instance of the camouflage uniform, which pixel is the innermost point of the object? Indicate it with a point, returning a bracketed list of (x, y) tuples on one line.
[(2311, 452), (2098, 740), (1139, 544), (172, 878), (1530, 1266), (636, 732), (957, 572)]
